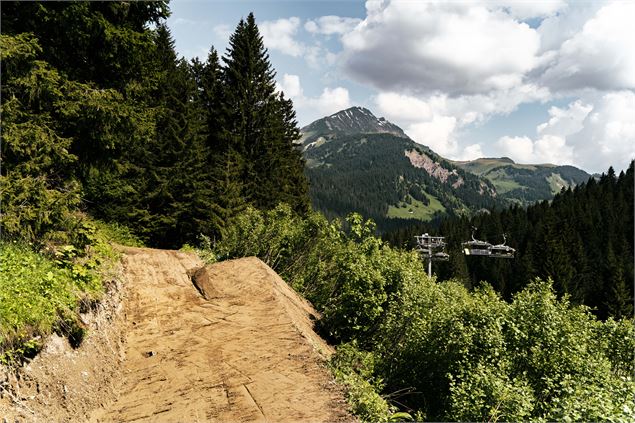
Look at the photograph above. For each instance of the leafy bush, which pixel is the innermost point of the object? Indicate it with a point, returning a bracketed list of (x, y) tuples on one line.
[(348, 275), (118, 233), (355, 370), (454, 354), (471, 356)]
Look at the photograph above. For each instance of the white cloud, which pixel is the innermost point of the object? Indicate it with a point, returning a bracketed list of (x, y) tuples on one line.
[(564, 122), (280, 35), (556, 29), (470, 152), (290, 86), (330, 101), (524, 9), (183, 21), (608, 136), (400, 108), (223, 31), (329, 25), (436, 120), (317, 56), (441, 67), (438, 134), (593, 134), (518, 148), (451, 47), (546, 149), (600, 56)]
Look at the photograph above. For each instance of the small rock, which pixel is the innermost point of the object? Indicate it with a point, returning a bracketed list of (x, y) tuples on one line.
[(56, 345)]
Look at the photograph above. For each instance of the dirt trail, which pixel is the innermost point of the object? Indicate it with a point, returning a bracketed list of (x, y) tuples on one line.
[(246, 353)]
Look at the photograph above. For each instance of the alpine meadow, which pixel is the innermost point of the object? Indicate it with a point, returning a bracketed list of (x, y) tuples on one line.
[(175, 246)]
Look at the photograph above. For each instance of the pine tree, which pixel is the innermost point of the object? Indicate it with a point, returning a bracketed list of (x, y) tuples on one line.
[(228, 201), (38, 193), (260, 125), (210, 91), (179, 190)]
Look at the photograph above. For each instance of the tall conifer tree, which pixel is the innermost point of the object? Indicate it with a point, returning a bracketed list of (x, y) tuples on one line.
[(260, 125), (179, 192)]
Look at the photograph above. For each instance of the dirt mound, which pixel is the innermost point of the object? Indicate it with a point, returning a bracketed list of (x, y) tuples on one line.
[(238, 346), (246, 353)]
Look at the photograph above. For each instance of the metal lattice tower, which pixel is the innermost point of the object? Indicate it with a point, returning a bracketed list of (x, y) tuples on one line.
[(431, 249)]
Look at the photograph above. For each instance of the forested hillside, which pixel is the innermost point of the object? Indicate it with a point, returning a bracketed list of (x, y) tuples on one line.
[(99, 114), (359, 163), (582, 240)]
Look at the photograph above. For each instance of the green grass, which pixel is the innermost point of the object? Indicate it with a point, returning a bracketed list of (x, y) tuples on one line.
[(482, 166), (119, 234), (416, 210), (44, 292), (501, 181), (34, 293)]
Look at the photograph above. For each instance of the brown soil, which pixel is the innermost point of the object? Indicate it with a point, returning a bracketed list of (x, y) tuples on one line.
[(65, 384), (236, 346)]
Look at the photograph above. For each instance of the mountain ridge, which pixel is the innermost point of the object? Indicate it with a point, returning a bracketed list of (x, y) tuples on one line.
[(356, 162), (354, 120), (525, 183)]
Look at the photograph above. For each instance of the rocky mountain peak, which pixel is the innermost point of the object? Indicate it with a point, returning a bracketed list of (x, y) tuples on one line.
[(351, 121)]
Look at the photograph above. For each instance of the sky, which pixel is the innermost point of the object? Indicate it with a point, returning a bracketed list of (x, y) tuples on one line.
[(537, 81)]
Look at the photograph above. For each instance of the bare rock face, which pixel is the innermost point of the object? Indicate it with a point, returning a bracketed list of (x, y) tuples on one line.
[(434, 169), (202, 280)]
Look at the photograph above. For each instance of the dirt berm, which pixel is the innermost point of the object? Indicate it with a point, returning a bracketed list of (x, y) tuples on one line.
[(237, 345)]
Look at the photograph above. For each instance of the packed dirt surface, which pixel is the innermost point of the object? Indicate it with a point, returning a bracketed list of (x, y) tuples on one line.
[(235, 345), (241, 349)]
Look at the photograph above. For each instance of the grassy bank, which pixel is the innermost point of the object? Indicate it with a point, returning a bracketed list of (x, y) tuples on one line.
[(44, 289)]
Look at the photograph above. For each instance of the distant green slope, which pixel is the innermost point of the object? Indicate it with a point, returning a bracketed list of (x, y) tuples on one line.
[(410, 208), (525, 184)]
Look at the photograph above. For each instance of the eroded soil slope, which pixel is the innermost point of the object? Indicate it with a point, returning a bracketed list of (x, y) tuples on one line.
[(240, 348)]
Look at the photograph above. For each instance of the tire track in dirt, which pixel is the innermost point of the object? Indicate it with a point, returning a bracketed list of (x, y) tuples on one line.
[(246, 353)]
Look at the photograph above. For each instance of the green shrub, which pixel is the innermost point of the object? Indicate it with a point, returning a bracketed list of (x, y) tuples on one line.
[(34, 294), (452, 353), (471, 356), (355, 370), (42, 292), (118, 233)]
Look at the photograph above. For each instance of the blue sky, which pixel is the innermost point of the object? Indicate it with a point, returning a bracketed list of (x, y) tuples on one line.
[(537, 81)]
